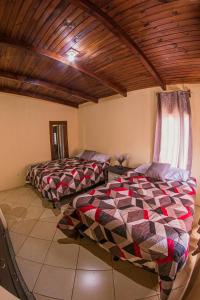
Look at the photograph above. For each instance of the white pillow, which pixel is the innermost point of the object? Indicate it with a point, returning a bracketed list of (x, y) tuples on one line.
[(101, 157), (177, 174), (142, 168), (79, 155)]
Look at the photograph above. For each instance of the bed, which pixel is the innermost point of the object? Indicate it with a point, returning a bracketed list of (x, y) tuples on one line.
[(59, 178), (139, 219)]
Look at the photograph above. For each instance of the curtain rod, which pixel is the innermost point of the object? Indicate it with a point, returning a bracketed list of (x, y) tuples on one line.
[(176, 91)]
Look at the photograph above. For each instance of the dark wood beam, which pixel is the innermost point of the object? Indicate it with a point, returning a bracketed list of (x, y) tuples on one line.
[(37, 95), (64, 60), (115, 28), (48, 85)]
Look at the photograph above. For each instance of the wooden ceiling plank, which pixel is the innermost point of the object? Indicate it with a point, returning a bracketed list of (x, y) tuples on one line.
[(72, 21), (163, 29), (49, 23), (162, 23), (38, 96), (172, 36), (27, 19), (35, 19), (56, 57), (61, 22), (41, 83), (20, 17), (114, 27), (41, 19), (146, 14), (13, 16), (4, 14), (80, 32)]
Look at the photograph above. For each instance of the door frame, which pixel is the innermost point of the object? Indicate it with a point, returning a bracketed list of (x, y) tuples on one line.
[(51, 123)]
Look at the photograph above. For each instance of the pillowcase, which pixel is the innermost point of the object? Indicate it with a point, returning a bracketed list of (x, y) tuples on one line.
[(158, 170), (79, 155), (142, 168), (101, 157), (177, 174), (88, 154)]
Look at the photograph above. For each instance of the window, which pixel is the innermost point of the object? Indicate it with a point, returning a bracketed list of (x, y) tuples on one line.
[(58, 139), (173, 143)]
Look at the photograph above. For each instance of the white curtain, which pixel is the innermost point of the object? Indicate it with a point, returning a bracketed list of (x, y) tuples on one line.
[(173, 139)]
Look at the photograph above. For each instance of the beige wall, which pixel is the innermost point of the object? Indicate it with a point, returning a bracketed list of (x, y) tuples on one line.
[(195, 106), (121, 125), (24, 130), (115, 125), (126, 125)]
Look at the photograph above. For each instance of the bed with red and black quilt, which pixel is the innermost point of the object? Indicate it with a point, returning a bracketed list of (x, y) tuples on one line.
[(145, 221), (59, 178)]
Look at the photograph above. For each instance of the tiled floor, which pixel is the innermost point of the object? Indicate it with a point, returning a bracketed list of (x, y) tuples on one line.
[(56, 267)]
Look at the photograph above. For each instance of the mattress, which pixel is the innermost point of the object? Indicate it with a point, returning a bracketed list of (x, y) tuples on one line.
[(145, 221)]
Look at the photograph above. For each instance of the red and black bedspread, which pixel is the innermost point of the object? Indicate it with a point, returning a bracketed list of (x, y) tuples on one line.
[(58, 178), (138, 219)]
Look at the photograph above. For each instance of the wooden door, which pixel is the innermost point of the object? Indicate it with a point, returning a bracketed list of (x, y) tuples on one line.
[(58, 139)]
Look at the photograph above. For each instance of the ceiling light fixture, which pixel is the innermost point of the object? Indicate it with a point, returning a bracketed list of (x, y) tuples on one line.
[(72, 53)]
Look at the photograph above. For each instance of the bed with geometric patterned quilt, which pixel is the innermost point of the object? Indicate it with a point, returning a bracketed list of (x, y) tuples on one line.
[(142, 220), (58, 178)]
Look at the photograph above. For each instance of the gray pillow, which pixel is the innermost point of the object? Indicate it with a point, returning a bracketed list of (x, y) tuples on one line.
[(88, 154), (157, 170)]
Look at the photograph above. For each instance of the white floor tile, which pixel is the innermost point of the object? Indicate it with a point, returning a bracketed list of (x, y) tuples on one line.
[(51, 215), (17, 240), (62, 255), (132, 289), (55, 282), (34, 249), (88, 261), (23, 226), (33, 212), (29, 270), (43, 230), (90, 285)]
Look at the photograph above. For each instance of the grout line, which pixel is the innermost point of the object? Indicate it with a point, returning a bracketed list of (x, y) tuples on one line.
[(148, 297), (49, 297), (59, 267), (94, 270), (75, 272), (113, 284), (29, 236), (26, 237), (42, 264)]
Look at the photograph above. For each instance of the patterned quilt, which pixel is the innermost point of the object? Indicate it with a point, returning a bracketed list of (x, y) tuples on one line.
[(58, 178), (138, 219)]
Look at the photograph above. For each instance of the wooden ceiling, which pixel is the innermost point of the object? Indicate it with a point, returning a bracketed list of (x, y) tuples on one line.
[(122, 45)]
